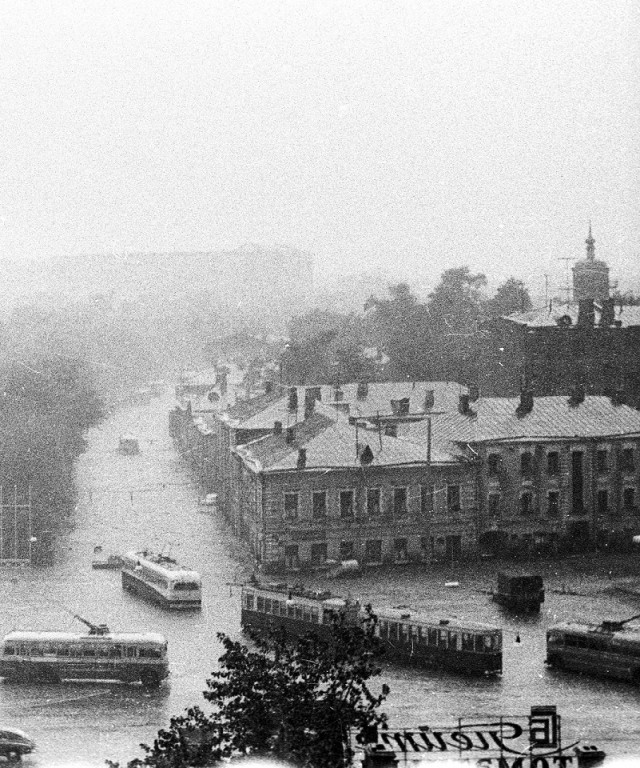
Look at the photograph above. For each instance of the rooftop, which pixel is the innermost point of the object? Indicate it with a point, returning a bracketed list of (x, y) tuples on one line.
[(496, 418), (552, 316)]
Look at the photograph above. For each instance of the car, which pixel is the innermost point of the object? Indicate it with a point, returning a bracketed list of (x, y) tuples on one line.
[(14, 743)]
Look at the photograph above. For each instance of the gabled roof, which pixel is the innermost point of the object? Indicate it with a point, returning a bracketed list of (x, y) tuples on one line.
[(330, 443), (496, 419)]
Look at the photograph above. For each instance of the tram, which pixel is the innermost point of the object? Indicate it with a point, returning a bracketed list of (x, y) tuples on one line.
[(610, 649), (441, 643), (159, 578), (51, 657)]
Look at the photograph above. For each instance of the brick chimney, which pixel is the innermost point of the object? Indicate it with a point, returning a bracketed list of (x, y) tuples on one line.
[(429, 399), (577, 394), (293, 399), (277, 427), (302, 458), (463, 404), (290, 435), (526, 402), (363, 390)]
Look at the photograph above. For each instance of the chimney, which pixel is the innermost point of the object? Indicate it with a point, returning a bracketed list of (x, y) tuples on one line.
[(277, 427), (309, 405), (608, 314), (526, 402), (363, 390), (463, 405), (586, 313), (429, 399), (338, 394), (302, 458), (268, 387), (290, 435), (474, 392), (391, 430), (400, 407), (293, 399), (577, 394)]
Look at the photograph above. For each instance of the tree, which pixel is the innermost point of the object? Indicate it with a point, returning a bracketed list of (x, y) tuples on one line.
[(401, 326), (456, 302), (511, 296), (297, 701)]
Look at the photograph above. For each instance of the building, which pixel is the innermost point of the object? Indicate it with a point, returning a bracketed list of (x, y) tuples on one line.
[(550, 472), (589, 341), (328, 489)]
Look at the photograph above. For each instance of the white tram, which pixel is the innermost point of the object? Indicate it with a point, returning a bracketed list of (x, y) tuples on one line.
[(161, 579), (43, 656)]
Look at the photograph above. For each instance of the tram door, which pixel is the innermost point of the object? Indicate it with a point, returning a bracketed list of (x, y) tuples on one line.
[(453, 548)]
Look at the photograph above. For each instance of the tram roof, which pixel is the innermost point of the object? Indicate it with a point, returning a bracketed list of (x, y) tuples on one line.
[(159, 563), (52, 636), (629, 631), (435, 622)]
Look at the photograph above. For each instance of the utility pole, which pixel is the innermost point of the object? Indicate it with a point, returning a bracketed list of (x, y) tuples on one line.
[(567, 287)]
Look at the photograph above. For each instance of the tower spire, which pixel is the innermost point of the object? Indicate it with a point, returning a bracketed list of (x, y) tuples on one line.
[(591, 246)]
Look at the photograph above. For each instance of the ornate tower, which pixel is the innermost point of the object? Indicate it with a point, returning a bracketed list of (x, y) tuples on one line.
[(590, 276)]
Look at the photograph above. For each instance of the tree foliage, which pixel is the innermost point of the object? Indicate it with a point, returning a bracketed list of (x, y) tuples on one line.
[(299, 701), (511, 296)]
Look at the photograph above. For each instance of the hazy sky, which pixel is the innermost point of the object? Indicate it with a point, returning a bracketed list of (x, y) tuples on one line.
[(409, 135)]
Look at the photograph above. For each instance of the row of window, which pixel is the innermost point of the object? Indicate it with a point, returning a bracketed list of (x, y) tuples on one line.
[(373, 502), (437, 638), (527, 506), (81, 651), (553, 464), (594, 643), (284, 608)]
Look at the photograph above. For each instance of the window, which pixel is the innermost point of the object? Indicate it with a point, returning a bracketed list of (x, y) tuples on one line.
[(400, 554), (373, 551), (603, 501), (319, 553), (346, 550), (494, 505), (319, 505), (426, 499), (493, 464), (346, 503), (399, 502), (291, 556), (553, 503), (373, 502), (553, 463), (291, 506), (453, 498), (629, 499), (602, 462), (627, 463), (526, 504), (526, 464)]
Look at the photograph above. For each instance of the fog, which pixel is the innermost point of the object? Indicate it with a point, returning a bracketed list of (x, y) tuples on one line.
[(404, 136)]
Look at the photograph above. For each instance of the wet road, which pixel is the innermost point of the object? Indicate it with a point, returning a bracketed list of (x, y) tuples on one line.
[(148, 500)]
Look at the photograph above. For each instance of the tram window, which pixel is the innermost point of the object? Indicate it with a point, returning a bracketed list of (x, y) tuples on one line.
[(393, 630), (489, 642), (424, 635), (36, 650), (9, 650), (89, 652), (115, 652), (306, 613), (267, 605), (415, 631), (479, 643), (404, 629), (260, 603), (50, 650), (130, 652), (433, 636), (102, 651), (248, 602), (453, 641), (384, 628), (291, 612), (149, 653), (185, 586), (467, 641), (315, 615), (24, 650), (299, 612), (442, 638)]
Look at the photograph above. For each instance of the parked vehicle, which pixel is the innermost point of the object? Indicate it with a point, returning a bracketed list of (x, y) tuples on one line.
[(128, 445), (14, 743), (161, 579), (431, 642), (519, 591), (610, 649), (44, 656)]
